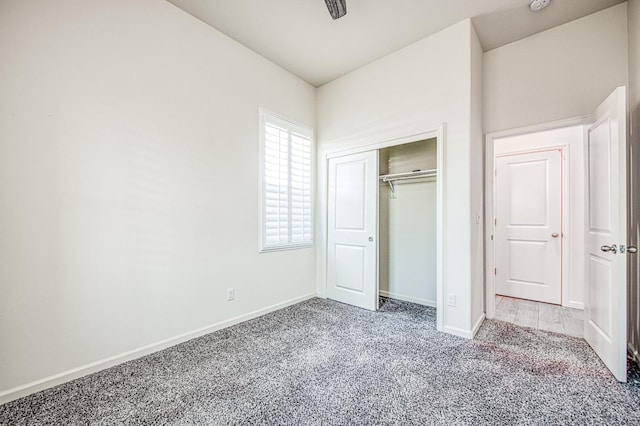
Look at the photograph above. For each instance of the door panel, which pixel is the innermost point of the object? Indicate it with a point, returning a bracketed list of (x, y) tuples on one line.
[(352, 230), (606, 291), (529, 225)]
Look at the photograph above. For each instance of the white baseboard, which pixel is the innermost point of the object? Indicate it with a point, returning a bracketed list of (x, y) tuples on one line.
[(411, 299), (477, 325), (458, 332), (575, 305), (467, 334), (69, 375)]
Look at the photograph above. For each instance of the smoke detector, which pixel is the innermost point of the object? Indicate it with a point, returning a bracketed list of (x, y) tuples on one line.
[(537, 5)]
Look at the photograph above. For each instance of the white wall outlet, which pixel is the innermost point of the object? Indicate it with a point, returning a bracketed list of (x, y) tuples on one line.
[(451, 299), (231, 294)]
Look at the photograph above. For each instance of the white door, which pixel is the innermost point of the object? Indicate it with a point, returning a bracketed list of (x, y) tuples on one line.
[(606, 234), (529, 226), (352, 230)]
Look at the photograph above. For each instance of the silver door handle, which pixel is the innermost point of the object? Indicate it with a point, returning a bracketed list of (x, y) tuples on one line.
[(371, 239), (613, 248), (632, 249), (555, 235)]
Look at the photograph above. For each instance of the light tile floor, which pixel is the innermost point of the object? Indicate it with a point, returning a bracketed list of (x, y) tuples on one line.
[(542, 316)]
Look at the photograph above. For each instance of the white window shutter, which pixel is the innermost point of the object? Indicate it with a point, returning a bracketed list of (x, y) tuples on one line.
[(287, 196)]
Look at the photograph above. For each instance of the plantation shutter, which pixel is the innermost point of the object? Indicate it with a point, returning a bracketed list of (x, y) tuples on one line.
[(287, 188)]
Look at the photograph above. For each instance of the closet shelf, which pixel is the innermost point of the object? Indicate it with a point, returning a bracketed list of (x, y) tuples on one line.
[(417, 174), (409, 175)]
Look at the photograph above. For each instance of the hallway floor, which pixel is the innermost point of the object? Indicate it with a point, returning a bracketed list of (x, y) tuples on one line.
[(542, 316)]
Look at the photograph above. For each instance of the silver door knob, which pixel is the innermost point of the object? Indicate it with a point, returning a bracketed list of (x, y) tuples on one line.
[(371, 239), (613, 248), (555, 235), (632, 249)]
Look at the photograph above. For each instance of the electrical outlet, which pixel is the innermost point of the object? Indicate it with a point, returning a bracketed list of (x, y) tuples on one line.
[(231, 294), (451, 299)]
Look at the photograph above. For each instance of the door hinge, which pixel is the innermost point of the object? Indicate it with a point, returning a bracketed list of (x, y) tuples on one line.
[(495, 222), (495, 271)]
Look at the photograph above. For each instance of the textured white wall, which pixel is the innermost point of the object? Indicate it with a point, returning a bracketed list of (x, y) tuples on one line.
[(128, 181), (416, 88), (563, 72)]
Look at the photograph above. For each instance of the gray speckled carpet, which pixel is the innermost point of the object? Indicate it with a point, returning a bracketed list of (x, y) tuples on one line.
[(322, 362)]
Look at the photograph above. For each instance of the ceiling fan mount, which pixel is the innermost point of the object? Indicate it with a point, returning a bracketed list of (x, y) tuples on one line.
[(337, 8)]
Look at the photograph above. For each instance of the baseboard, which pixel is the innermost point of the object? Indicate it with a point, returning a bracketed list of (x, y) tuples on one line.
[(404, 298), (69, 375), (458, 332), (477, 325), (575, 305), (467, 334)]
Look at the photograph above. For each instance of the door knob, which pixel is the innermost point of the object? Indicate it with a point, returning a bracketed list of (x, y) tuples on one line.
[(613, 248), (371, 239), (555, 235), (632, 249)]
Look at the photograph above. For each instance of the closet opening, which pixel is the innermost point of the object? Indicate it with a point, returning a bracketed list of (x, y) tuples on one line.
[(384, 234), (407, 222)]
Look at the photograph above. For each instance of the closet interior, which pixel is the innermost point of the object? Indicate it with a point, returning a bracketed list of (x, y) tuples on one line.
[(407, 222)]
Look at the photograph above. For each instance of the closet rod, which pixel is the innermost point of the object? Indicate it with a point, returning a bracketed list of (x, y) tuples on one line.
[(416, 174), (409, 175)]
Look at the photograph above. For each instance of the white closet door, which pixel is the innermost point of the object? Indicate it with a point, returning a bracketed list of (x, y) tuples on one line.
[(352, 230)]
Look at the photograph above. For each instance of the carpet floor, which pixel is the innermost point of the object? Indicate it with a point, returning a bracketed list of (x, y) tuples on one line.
[(322, 362)]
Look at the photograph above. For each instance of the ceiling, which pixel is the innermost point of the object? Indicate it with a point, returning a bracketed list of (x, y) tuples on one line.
[(301, 37)]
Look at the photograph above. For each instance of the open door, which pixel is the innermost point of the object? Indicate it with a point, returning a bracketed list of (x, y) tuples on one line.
[(352, 230), (606, 234)]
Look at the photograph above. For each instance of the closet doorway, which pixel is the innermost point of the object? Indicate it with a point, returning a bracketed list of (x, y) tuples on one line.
[(407, 222), (384, 222)]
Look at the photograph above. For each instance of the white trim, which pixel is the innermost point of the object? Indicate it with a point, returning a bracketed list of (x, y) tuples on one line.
[(477, 325), (67, 376), (466, 334), (304, 130), (369, 143), (489, 198), (575, 305), (419, 301)]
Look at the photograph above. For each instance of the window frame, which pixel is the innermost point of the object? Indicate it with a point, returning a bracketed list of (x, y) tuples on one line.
[(266, 116)]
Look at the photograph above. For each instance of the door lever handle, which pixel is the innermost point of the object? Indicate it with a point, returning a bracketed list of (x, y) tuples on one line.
[(555, 235), (632, 249), (612, 248)]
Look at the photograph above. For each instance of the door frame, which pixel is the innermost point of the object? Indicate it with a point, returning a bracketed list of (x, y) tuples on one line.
[(490, 208), (369, 143)]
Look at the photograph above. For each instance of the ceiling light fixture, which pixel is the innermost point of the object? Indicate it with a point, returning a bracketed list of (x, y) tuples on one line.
[(337, 8), (537, 5)]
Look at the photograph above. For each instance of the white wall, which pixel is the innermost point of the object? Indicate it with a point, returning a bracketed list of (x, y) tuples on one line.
[(572, 138), (407, 238), (634, 141), (561, 73), (416, 88), (128, 181)]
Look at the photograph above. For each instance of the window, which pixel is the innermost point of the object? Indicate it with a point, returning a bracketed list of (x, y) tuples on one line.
[(286, 219)]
